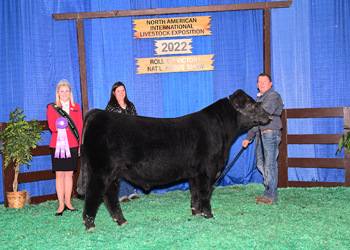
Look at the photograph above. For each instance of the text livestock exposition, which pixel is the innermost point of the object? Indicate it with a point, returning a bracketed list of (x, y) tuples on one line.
[(170, 27)]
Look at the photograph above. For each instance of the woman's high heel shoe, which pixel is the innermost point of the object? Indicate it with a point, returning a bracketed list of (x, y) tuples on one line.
[(67, 208), (60, 214)]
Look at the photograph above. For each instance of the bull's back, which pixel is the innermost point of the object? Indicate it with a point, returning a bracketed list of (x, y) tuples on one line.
[(117, 128)]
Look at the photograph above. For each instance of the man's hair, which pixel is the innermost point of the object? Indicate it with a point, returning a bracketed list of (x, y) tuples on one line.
[(263, 74)]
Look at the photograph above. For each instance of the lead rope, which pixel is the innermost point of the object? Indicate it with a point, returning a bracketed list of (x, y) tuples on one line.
[(263, 155), (233, 161)]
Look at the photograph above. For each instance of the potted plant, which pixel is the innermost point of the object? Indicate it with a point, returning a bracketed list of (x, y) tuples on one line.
[(344, 141), (18, 138)]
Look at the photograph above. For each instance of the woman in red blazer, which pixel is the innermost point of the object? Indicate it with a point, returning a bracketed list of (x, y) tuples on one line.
[(64, 167)]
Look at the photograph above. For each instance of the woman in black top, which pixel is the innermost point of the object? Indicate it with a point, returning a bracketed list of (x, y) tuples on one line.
[(120, 103)]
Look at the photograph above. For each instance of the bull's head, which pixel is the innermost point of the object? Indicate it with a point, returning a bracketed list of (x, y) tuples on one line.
[(246, 105)]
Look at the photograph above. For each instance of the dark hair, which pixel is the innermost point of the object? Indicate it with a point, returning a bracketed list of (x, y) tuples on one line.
[(113, 100), (263, 74)]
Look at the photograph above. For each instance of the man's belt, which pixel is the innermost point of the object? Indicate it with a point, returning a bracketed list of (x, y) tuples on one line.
[(267, 130)]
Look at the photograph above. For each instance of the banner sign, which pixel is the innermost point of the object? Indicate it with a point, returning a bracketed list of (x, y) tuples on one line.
[(174, 64), (171, 27), (172, 47)]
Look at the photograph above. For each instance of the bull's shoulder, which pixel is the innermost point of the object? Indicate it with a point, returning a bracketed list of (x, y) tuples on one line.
[(220, 107)]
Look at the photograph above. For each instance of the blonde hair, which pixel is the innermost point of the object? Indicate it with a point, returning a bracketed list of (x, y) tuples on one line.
[(61, 83)]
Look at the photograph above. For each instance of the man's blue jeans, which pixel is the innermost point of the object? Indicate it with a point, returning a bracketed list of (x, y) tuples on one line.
[(125, 189), (271, 142)]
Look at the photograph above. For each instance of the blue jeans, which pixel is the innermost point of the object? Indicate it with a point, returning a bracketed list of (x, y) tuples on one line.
[(125, 188), (271, 142)]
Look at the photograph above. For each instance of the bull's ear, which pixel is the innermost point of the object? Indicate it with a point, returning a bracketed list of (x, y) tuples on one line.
[(235, 103), (231, 97)]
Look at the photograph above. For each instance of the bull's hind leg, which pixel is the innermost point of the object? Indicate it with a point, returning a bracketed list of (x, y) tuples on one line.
[(112, 203), (94, 193), (195, 199)]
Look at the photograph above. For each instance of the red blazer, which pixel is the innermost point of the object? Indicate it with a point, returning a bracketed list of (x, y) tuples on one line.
[(75, 114)]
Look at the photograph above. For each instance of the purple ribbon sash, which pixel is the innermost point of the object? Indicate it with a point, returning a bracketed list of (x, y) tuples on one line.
[(62, 140)]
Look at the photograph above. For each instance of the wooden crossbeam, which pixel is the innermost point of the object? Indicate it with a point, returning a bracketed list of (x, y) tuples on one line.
[(175, 10)]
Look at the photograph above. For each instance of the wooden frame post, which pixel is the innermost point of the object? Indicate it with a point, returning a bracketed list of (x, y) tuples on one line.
[(82, 66), (267, 40)]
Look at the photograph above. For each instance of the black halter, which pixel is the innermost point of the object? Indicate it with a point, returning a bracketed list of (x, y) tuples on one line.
[(242, 112)]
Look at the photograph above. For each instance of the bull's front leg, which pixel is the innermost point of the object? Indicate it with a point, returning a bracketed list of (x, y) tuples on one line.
[(195, 199), (112, 203), (205, 195)]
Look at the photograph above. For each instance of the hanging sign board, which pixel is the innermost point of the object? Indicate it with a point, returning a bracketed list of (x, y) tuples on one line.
[(173, 47), (174, 64), (172, 27)]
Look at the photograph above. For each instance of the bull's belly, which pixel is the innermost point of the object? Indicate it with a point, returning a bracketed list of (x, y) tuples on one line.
[(154, 178)]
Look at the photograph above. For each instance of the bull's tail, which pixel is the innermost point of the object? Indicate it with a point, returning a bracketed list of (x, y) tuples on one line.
[(83, 174)]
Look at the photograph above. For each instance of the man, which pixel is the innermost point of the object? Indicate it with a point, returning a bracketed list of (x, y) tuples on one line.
[(271, 138)]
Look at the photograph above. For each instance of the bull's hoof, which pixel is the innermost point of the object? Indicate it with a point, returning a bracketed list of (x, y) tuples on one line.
[(209, 216), (121, 222), (115, 220), (91, 229), (199, 215), (89, 223)]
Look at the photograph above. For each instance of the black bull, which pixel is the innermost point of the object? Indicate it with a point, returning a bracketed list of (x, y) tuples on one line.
[(154, 151)]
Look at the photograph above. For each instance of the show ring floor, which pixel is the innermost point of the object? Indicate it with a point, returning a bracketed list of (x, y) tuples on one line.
[(303, 218)]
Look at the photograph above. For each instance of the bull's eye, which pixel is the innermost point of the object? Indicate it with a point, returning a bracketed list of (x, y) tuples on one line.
[(250, 105)]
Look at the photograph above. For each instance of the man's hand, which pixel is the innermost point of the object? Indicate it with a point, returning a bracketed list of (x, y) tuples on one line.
[(245, 143)]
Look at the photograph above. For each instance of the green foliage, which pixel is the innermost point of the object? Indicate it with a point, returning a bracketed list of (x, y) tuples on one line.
[(20, 137), (344, 141)]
